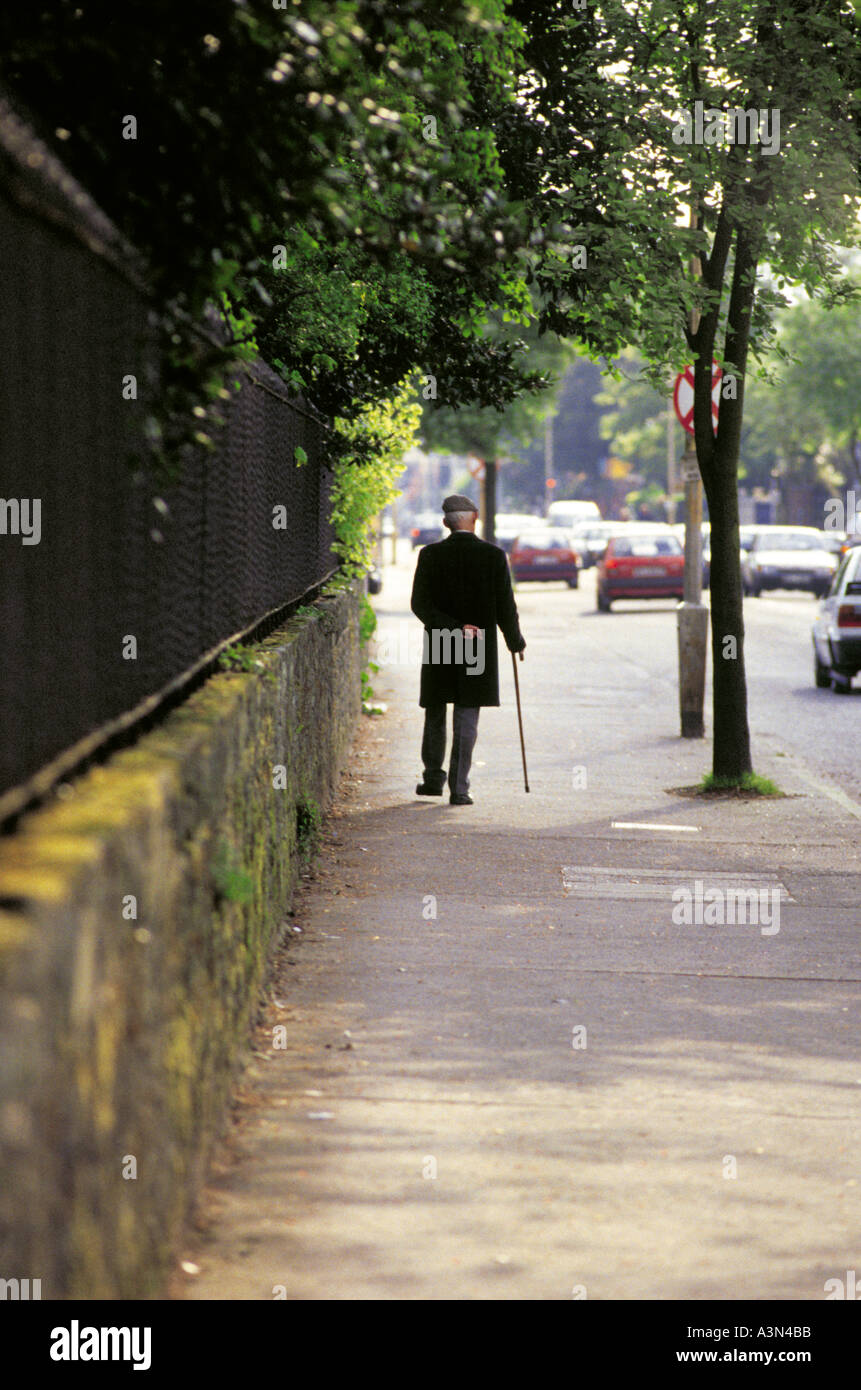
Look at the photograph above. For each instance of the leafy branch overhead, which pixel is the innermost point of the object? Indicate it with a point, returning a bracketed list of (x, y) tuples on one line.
[(349, 134)]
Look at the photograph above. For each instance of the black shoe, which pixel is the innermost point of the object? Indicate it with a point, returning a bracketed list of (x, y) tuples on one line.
[(424, 790), (460, 801)]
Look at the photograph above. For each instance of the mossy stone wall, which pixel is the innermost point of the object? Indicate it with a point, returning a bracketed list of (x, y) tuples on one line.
[(120, 1034)]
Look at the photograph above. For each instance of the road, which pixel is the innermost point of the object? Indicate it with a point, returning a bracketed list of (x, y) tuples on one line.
[(636, 644)]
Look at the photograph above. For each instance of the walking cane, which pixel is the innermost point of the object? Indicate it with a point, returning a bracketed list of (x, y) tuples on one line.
[(520, 722)]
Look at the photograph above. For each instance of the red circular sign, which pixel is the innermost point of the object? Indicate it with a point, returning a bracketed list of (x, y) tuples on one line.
[(683, 397)]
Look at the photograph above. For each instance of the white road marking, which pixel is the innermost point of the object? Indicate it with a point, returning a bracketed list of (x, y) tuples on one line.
[(651, 825), (827, 789)]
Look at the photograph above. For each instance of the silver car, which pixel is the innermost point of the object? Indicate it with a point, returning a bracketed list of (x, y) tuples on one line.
[(590, 539), (788, 557), (837, 628)]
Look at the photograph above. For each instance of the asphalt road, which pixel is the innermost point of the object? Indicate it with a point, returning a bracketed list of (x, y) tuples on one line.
[(636, 643)]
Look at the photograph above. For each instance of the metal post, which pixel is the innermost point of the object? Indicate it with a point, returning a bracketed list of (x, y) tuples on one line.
[(671, 466), (548, 460), (693, 524), (490, 500), (692, 613)]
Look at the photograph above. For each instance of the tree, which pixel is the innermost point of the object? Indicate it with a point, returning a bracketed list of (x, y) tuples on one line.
[(638, 114), (213, 131), (820, 393), (345, 328), (579, 445), (374, 442), (493, 432), (635, 423)]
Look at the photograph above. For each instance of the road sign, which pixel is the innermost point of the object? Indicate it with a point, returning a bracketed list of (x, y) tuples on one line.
[(476, 468), (683, 397)]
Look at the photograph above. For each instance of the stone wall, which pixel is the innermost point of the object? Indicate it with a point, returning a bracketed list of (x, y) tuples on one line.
[(137, 914)]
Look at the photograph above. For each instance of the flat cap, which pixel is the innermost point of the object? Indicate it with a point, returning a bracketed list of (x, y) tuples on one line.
[(458, 503)]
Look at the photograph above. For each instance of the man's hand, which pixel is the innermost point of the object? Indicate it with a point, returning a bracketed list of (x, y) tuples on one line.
[(520, 654), (470, 630)]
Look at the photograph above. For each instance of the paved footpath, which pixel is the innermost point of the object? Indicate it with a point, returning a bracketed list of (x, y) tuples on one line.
[(507, 1072)]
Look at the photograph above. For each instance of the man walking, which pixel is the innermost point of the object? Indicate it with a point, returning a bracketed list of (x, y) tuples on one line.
[(461, 591)]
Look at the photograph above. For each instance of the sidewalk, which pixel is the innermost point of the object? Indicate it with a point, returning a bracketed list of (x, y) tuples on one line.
[(510, 1075)]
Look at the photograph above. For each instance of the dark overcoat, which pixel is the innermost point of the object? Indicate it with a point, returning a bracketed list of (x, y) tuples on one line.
[(463, 580)]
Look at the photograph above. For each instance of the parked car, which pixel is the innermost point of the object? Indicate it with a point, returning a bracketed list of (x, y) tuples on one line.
[(426, 528), (837, 627), (641, 564), (508, 526), (834, 541), (590, 539), (747, 534), (707, 553), (563, 513), (545, 555), (787, 557), (678, 529)]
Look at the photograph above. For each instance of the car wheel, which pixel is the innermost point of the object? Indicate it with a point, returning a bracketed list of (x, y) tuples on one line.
[(603, 602), (754, 591), (840, 684), (573, 584), (821, 674)]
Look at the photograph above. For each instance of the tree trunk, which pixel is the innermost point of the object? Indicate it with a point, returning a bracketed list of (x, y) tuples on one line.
[(731, 746), (718, 461)]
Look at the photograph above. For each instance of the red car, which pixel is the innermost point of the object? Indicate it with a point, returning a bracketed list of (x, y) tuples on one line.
[(545, 555), (641, 566)]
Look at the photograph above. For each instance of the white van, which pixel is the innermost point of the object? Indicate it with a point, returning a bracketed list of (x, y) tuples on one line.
[(566, 513)]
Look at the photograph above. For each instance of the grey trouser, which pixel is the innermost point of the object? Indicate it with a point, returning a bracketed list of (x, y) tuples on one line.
[(464, 734)]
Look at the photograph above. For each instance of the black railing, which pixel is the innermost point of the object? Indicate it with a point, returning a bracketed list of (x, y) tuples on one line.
[(113, 590)]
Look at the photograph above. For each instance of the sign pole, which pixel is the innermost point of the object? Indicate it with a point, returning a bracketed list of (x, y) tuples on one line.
[(490, 500), (548, 462), (671, 468), (692, 615)]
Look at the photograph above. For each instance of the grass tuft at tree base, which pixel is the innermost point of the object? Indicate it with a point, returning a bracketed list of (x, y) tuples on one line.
[(750, 783)]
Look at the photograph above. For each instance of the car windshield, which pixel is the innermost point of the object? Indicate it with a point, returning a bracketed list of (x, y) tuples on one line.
[(853, 572), (542, 542), (787, 540), (647, 546)]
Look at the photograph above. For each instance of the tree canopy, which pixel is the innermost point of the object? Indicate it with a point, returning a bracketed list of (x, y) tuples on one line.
[(687, 145)]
